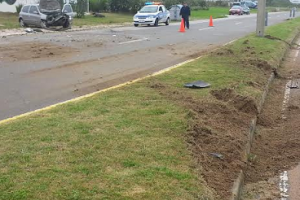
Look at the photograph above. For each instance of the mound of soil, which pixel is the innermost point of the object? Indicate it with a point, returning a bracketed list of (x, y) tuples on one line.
[(216, 135), (261, 64), (224, 52), (241, 103)]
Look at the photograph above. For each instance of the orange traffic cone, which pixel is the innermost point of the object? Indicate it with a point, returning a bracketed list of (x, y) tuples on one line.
[(182, 29), (211, 24)]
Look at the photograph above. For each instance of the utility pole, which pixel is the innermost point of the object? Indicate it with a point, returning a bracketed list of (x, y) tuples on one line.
[(261, 15)]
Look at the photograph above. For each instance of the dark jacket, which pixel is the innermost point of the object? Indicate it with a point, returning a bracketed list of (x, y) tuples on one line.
[(185, 11)]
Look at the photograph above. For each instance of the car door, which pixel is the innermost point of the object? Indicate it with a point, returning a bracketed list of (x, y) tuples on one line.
[(25, 14), (35, 18), (165, 12), (160, 14)]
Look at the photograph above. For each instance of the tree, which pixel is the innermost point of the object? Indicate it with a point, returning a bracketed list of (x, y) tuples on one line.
[(80, 8)]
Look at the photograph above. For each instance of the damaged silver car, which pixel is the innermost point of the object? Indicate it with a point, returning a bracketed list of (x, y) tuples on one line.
[(46, 14)]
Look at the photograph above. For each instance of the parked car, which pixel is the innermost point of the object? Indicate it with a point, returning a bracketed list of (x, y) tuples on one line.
[(250, 4), (46, 14), (152, 14), (246, 9), (236, 10), (236, 4)]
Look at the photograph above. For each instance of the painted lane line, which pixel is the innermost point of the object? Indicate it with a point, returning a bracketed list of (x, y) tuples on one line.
[(238, 23), (229, 42), (286, 98), (296, 55), (202, 29), (284, 185), (11, 119), (132, 41)]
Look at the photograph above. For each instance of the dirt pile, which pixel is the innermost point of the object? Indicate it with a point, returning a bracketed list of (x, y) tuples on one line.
[(216, 135), (241, 103)]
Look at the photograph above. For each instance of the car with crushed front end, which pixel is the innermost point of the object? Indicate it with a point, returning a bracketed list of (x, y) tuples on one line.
[(46, 14), (153, 13)]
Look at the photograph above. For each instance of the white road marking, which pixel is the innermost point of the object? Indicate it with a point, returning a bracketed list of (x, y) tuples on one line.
[(296, 55), (132, 41), (238, 23), (286, 98), (229, 42), (284, 185), (202, 29)]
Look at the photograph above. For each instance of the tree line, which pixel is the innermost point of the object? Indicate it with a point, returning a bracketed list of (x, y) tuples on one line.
[(134, 5)]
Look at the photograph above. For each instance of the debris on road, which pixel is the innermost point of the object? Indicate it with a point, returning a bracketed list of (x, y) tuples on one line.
[(217, 155), (197, 84), (29, 30)]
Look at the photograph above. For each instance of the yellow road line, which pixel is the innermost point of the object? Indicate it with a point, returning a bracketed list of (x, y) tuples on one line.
[(98, 92)]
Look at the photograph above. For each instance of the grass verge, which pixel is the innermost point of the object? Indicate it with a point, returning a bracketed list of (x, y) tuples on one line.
[(10, 20), (215, 12), (149, 140)]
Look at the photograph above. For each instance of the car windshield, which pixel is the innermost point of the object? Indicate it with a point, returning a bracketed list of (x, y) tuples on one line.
[(236, 7), (149, 9)]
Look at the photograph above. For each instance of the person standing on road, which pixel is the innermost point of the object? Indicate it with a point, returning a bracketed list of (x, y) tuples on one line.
[(185, 13)]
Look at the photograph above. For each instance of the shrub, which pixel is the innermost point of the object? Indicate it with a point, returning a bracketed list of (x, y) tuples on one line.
[(19, 8)]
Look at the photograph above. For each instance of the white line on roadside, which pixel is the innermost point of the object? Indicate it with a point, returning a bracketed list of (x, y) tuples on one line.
[(284, 185), (286, 98), (202, 29), (238, 23), (132, 41), (296, 55), (229, 42)]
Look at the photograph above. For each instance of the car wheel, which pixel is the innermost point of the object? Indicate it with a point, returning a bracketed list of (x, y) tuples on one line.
[(67, 24), (156, 22), (22, 24), (43, 24), (167, 22), (136, 25)]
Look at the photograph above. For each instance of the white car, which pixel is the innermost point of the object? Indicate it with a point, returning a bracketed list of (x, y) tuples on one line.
[(152, 14)]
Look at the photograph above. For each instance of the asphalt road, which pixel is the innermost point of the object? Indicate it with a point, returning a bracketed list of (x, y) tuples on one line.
[(37, 70)]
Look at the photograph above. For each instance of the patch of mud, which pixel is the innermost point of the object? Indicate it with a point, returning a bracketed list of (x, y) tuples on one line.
[(241, 103), (217, 134), (261, 64), (262, 190), (246, 42), (33, 50), (224, 52)]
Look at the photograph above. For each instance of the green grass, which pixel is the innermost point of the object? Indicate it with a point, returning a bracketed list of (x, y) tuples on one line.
[(110, 18), (215, 12), (9, 20), (126, 143)]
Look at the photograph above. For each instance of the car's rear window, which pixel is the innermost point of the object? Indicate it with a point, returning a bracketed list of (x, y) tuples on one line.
[(25, 9)]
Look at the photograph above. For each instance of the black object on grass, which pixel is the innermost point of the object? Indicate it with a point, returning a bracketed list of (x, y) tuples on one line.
[(197, 84)]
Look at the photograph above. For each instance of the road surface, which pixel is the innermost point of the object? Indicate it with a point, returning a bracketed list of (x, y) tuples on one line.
[(37, 70)]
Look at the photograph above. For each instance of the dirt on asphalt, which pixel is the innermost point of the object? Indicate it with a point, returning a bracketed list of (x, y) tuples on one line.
[(33, 50), (277, 143)]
